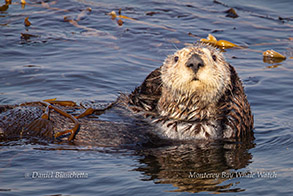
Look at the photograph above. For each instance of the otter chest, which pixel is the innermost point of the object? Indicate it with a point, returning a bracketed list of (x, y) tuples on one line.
[(182, 130)]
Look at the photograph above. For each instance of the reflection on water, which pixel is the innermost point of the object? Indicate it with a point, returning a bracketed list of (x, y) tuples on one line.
[(193, 168)]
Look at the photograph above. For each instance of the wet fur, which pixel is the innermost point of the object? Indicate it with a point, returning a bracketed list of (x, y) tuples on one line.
[(212, 106), (172, 102)]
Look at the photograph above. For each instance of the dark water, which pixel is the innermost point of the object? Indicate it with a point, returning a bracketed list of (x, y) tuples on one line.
[(97, 59)]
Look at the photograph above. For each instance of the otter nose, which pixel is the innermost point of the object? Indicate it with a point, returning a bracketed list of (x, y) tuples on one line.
[(195, 62)]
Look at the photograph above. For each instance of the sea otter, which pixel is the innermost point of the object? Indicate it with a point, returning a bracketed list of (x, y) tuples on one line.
[(195, 94)]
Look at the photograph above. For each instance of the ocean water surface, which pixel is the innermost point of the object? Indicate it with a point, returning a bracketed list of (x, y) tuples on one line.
[(73, 50)]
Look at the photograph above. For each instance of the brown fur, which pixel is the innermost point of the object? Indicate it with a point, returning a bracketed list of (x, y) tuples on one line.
[(195, 94), (212, 106)]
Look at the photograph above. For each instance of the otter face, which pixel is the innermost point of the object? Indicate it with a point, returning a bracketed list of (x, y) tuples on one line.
[(197, 70)]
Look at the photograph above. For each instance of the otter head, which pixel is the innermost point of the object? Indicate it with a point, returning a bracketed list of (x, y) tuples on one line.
[(198, 71)]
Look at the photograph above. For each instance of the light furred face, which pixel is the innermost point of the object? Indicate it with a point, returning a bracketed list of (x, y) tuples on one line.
[(199, 70)]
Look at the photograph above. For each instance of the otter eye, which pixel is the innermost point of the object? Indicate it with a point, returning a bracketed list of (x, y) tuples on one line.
[(176, 59), (214, 57)]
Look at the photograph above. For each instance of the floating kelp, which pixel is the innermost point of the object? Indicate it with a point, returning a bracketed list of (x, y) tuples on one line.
[(271, 56), (27, 36), (119, 22), (48, 100), (3, 8), (231, 13), (27, 23), (22, 2), (114, 15), (119, 18), (221, 43), (225, 44), (210, 40), (62, 103)]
